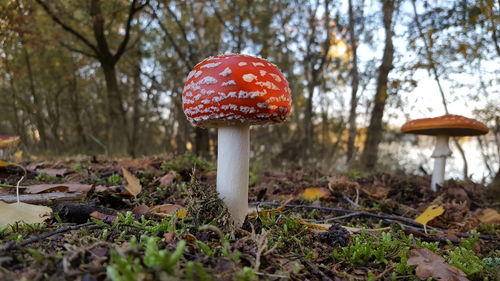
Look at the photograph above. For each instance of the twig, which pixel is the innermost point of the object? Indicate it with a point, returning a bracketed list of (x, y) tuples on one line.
[(12, 245), (407, 223), (342, 210), (338, 218), (43, 197)]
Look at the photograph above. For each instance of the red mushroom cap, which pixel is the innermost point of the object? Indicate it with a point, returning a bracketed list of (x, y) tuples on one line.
[(451, 125), (233, 89)]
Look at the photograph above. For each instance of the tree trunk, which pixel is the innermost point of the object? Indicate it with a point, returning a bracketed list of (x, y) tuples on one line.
[(75, 107), (374, 132), (36, 102), (354, 86), (135, 131), (117, 123), (201, 146)]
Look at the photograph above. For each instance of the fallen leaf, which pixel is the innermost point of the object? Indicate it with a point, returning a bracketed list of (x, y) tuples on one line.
[(167, 210), (489, 216), (377, 192), (53, 172), (64, 187), (432, 265), (23, 212), (133, 184), (140, 210), (314, 193), (429, 214), (103, 217), (167, 179), (4, 164)]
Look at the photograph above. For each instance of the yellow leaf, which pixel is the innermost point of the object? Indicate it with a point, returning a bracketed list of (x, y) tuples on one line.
[(23, 212), (133, 184), (315, 193), (429, 214), (4, 164)]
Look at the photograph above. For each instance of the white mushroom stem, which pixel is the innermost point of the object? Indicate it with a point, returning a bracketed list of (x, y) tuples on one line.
[(232, 169), (441, 151)]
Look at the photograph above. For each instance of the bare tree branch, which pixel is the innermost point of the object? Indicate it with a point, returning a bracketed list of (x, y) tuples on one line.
[(133, 10), (177, 49), (67, 27), (78, 50)]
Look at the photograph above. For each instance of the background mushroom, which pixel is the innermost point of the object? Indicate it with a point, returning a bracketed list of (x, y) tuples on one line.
[(443, 127), (230, 92), (7, 142)]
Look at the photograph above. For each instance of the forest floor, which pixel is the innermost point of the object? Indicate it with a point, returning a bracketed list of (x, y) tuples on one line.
[(307, 225)]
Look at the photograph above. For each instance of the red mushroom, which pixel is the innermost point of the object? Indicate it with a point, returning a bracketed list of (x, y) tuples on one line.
[(231, 92), (442, 128)]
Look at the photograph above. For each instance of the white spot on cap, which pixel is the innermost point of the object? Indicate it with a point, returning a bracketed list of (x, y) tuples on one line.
[(249, 77), (276, 77), (258, 64), (211, 65), (198, 73), (227, 83), (263, 72), (242, 63), (207, 80), (191, 73), (247, 109), (268, 84), (226, 72)]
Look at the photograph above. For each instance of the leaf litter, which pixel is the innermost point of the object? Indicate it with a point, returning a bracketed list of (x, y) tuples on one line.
[(166, 202)]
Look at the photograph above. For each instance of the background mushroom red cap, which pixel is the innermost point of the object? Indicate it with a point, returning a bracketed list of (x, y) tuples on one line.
[(234, 88), (450, 125)]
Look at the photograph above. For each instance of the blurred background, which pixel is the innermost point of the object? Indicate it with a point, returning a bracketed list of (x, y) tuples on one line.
[(105, 77)]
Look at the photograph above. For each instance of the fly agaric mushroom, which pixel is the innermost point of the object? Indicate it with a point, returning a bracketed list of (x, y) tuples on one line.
[(443, 127), (7, 142), (230, 92)]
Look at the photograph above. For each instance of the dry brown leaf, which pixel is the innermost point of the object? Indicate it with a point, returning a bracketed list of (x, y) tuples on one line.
[(140, 210), (167, 179), (489, 216), (314, 193), (432, 265), (53, 172), (23, 212), (133, 184), (103, 217), (63, 187), (377, 192)]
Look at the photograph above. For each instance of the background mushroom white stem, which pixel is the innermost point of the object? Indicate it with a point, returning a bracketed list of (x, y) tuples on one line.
[(233, 147), (441, 152)]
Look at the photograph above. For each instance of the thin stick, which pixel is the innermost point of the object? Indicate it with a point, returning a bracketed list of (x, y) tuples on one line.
[(389, 218), (338, 218), (13, 245), (342, 210)]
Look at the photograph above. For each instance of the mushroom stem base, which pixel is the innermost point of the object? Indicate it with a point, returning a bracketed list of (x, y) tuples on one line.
[(441, 152), (232, 170), (438, 173)]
